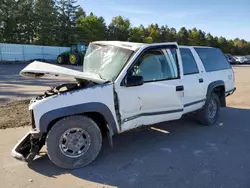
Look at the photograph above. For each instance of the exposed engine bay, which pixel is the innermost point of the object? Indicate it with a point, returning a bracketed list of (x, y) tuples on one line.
[(65, 87)]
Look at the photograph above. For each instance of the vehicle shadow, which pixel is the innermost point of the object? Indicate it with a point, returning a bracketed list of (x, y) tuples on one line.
[(191, 155)]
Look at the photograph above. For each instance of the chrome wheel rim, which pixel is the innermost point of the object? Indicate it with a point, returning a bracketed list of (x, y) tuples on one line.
[(212, 109), (74, 142)]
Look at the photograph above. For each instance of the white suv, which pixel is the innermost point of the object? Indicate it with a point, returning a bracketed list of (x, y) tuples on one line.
[(123, 86)]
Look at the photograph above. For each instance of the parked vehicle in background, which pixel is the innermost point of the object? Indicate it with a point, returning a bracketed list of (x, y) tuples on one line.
[(231, 59), (241, 59), (123, 86), (74, 56), (248, 57)]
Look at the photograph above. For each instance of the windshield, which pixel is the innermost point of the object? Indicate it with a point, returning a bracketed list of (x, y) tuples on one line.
[(106, 61)]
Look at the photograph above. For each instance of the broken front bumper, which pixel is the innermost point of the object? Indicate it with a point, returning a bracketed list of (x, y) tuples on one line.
[(29, 146)]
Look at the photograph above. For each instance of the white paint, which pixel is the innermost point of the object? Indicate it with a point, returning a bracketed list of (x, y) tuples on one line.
[(102, 94), (148, 98), (135, 103), (46, 68), (194, 91)]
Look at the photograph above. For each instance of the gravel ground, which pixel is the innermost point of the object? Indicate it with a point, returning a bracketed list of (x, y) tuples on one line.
[(14, 114)]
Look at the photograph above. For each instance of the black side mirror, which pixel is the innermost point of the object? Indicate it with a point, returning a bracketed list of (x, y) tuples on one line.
[(133, 81)]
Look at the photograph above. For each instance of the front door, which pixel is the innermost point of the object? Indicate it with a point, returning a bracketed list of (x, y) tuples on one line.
[(160, 98)]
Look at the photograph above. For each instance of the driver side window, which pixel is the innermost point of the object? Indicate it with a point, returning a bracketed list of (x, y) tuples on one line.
[(156, 65)]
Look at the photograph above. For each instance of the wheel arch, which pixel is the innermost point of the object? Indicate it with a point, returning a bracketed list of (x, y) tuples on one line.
[(98, 112), (219, 88)]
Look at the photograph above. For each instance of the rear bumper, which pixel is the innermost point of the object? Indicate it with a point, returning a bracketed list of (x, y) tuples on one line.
[(230, 92), (28, 146)]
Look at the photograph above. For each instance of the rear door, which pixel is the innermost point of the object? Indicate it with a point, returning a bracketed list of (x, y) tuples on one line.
[(194, 92), (160, 98)]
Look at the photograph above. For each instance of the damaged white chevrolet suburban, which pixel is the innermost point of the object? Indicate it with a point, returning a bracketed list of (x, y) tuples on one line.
[(123, 86)]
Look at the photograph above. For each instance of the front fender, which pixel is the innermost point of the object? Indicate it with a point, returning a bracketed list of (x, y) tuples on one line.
[(101, 108)]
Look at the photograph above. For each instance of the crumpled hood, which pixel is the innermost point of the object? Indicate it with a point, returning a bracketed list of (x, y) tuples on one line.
[(38, 69)]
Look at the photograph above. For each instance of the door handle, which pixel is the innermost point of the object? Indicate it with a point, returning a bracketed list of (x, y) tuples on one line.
[(201, 80), (179, 88)]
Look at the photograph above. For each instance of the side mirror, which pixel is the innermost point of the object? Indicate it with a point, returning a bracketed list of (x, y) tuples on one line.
[(133, 81)]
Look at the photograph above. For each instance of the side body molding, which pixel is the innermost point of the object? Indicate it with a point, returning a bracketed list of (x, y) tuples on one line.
[(101, 108)]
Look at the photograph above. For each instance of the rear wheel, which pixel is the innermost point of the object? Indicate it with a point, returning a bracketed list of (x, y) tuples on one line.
[(74, 142), (74, 58), (61, 59), (210, 113)]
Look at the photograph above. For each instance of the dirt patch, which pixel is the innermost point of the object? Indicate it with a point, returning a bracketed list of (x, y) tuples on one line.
[(14, 114)]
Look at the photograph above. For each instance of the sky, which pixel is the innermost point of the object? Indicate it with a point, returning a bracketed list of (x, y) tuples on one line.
[(227, 18)]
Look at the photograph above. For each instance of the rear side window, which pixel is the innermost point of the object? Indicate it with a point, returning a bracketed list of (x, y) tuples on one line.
[(213, 59), (188, 62)]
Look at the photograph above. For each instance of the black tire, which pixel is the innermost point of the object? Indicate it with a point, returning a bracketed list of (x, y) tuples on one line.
[(62, 59), (77, 58), (203, 114), (57, 156)]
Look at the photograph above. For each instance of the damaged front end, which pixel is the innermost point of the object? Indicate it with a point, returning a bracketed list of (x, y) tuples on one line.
[(29, 146)]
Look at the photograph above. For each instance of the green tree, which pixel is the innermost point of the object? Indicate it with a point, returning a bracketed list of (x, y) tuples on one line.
[(119, 29), (167, 34), (62, 22), (202, 38), (24, 21), (79, 12), (91, 28), (148, 40), (210, 40), (67, 10), (172, 35), (194, 37), (8, 20), (136, 34), (182, 36), (45, 15), (223, 44), (152, 32)]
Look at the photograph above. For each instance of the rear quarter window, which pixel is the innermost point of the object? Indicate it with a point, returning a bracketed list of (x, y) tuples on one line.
[(213, 59)]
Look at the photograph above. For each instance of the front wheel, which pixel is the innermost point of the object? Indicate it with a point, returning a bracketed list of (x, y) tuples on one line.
[(210, 112), (74, 142)]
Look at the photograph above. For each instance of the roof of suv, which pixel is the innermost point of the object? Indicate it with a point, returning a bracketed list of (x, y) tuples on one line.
[(129, 45), (135, 45)]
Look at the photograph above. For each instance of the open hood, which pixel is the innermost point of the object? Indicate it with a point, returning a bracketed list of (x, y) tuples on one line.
[(39, 69)]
